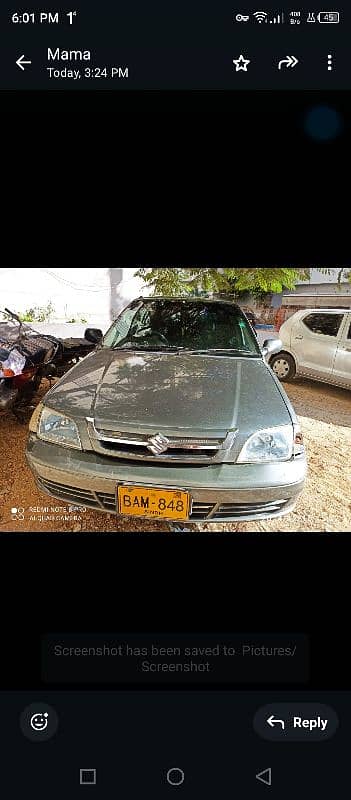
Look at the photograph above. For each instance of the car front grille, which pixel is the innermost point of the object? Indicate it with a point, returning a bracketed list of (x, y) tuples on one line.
[(201, 512), (166, 449), (71, 494), (226, 511)]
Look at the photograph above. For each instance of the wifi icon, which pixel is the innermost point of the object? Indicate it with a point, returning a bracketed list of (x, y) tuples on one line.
[(260, 16)]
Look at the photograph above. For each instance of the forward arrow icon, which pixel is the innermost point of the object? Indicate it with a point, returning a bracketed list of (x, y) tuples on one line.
[(289, 61)]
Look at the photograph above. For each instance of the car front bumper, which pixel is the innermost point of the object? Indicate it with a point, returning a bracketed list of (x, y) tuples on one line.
[(220, 492)]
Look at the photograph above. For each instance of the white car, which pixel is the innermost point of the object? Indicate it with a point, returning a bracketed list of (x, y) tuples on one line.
[(317, 345)]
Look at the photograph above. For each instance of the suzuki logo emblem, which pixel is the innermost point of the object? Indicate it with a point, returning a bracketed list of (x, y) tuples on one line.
[(158, 444)]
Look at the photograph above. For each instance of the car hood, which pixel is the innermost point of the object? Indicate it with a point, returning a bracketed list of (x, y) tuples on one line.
[(143, 391)]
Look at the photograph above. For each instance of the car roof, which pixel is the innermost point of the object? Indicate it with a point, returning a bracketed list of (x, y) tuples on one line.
[(325, 310)]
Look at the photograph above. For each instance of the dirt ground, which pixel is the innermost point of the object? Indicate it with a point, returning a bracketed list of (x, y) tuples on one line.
[(325, 505), (324, 413)]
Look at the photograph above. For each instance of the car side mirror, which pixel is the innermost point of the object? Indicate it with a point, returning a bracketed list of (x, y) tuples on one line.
[(93, 335), (271, 346)]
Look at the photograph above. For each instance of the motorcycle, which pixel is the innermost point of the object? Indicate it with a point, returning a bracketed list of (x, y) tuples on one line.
[(26, 357)]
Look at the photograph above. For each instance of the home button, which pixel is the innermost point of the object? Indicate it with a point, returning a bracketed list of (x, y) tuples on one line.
[(175, 776)]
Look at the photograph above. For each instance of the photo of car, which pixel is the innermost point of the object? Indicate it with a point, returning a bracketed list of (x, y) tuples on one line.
[(316, 345), (175, 415)]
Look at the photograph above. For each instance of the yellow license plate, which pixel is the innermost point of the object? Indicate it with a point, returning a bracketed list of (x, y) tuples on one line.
[(139, 501)]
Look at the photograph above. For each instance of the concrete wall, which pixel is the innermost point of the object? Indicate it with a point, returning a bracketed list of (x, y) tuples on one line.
[(320, 289), (96, 294), (323, 300)]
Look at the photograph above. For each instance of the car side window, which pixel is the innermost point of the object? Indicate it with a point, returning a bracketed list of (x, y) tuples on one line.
[(324, 324), (120, 328)]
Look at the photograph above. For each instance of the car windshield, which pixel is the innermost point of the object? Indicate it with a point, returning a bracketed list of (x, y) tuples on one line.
[(177, 325)]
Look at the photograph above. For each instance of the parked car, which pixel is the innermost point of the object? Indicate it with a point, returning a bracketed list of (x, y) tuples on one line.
[(175, 415), (317, 345)]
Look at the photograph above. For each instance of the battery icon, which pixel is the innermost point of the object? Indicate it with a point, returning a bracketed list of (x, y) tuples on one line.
[(328, 16)]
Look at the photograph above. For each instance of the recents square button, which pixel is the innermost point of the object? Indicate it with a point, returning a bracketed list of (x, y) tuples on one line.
[(87, 777)]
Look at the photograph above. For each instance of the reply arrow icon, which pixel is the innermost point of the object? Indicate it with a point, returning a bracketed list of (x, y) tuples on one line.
[(272, 722), (21, 61)]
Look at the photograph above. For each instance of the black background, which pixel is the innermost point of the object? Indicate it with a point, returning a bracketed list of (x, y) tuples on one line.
[(178, 583), (285, 108), (183, 189)]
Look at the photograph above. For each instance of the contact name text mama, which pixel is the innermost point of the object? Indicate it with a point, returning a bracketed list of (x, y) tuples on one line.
[(68, 55)]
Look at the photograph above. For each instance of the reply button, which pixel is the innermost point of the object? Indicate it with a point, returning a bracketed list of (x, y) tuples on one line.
[(300, 722)]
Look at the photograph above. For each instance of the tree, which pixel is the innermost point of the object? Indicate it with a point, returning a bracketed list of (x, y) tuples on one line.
[(192, 280)]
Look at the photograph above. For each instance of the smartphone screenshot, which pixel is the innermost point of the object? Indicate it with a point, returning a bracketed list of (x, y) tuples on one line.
[(175, 415)]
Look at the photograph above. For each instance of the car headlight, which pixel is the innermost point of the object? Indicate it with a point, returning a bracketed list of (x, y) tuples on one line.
[(271, 444), (59, 429), (34, 420)]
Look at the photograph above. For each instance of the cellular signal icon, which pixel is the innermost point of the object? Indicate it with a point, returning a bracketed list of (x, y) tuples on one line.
[(260, 16), (277, 20)]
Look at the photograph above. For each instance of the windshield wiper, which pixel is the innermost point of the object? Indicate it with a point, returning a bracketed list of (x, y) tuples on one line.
[(151, 348), (173, 349), (222, 351)]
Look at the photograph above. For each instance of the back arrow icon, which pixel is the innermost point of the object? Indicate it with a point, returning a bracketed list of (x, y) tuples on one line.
[(20, 61), (289, 61), (265, 776)]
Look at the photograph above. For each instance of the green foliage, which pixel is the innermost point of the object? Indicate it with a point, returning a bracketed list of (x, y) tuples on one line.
[(37, 313), (171, 281), (183, 281), (28, 315)]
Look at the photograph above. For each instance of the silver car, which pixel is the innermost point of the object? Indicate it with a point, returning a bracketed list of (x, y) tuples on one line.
[(175, 415), (317, 345)]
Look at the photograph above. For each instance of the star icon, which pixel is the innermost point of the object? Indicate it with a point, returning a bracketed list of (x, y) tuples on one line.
[(241, 63)]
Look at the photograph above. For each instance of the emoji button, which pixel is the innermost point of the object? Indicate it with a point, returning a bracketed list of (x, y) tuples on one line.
[(39, 722)]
